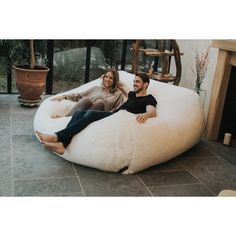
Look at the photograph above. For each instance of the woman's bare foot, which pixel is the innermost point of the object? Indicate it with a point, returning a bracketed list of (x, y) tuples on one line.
[(56, 116), (55, 147), (52, 138)]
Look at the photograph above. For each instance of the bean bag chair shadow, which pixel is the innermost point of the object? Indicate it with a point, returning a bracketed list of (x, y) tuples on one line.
[(119, 141)]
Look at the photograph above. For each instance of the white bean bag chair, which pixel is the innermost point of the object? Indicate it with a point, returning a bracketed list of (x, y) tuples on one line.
[(119, 141)]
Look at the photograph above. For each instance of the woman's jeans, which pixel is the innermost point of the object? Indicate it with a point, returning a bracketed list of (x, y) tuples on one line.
[(79, 121)]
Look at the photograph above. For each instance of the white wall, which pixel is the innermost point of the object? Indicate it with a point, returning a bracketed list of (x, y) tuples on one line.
[(189, 47)]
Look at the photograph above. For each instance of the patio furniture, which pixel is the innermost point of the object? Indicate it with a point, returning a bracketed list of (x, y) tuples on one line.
[(165, 57), (227, 193), (119, 141)]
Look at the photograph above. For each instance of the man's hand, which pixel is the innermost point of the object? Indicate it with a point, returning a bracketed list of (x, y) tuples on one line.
[(151, 112), (141, 118), (58, 98)]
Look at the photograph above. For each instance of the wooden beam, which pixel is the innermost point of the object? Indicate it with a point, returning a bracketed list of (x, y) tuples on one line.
[(219, 90), (135, 59), (233, 59), (228, 45)]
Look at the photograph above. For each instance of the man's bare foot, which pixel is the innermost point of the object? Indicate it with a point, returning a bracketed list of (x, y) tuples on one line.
[(55, 147), (52, 138)]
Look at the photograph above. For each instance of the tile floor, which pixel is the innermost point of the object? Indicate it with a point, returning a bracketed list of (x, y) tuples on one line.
[(27, 169)]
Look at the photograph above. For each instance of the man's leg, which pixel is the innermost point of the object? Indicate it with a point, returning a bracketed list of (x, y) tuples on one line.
[(75, 117), (52, 138), (55, 147), (78, 123)]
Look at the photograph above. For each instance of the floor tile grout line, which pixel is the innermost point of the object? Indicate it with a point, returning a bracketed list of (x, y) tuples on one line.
[(151, 186), (12, 164), (45, 178), (145, 185), (77, 176), (161, 171), (217, 155), (173, 185), (214, 194), (60, 194)]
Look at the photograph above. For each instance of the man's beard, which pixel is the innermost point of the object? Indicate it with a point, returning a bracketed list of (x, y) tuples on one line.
[(138, 90)]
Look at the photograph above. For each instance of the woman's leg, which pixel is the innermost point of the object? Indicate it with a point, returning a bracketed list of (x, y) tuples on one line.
[(79, 121), (82, 104), (99, 105), (76, 116)]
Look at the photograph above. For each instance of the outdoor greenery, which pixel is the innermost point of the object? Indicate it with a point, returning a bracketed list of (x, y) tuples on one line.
[(70, 58), (18, 51)]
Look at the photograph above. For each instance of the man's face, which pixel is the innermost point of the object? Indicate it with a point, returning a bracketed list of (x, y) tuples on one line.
[(138, 84)]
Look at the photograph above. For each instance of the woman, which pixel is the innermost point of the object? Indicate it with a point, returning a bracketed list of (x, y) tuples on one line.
[(106, 97)]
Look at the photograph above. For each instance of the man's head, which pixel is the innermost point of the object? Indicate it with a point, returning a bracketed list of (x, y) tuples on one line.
[(141, 82)]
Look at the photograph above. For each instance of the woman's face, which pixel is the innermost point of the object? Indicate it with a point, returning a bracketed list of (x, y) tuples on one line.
[(108, 79)]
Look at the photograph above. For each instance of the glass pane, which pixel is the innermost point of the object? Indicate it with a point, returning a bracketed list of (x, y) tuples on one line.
[(104, 54), (146, 62), (68, 64), (18, 52), (150, 62), (13, 81), (3, 75), (129, 57)]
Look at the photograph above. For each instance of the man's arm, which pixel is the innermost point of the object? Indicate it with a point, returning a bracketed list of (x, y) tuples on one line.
[(150, 112)]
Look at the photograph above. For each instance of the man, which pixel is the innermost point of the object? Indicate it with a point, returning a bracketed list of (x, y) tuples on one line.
[(138, 102)]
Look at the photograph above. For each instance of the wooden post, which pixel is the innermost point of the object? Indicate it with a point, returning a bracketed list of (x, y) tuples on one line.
[(178, 64), (135, 60), (218, 93)]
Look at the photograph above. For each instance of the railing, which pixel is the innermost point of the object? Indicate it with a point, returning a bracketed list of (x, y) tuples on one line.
[(50, 58), (118, 56)]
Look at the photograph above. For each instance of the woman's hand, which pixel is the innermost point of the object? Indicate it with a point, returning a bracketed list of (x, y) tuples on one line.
[(58, 98), (102, 76), (123, 88)]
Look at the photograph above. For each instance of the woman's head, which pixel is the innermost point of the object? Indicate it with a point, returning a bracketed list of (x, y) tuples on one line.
[(110, 79)]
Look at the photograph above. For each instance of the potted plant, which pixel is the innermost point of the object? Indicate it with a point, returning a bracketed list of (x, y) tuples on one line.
[(30, 78)]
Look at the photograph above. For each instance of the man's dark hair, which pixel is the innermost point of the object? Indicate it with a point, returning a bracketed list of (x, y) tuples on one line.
[(144, 77)]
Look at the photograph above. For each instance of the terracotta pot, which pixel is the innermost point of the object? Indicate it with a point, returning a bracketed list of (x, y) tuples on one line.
[(31, 82)]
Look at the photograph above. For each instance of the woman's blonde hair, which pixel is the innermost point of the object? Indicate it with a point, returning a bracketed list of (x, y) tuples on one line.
[(115, 79)]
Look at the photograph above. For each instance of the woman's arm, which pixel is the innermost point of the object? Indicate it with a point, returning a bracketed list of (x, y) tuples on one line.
[(72, 97), (123, 88), (118, 100), (75, 97), (58, 98)]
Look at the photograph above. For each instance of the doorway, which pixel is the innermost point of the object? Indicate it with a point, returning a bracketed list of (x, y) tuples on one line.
[(228, 121)]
